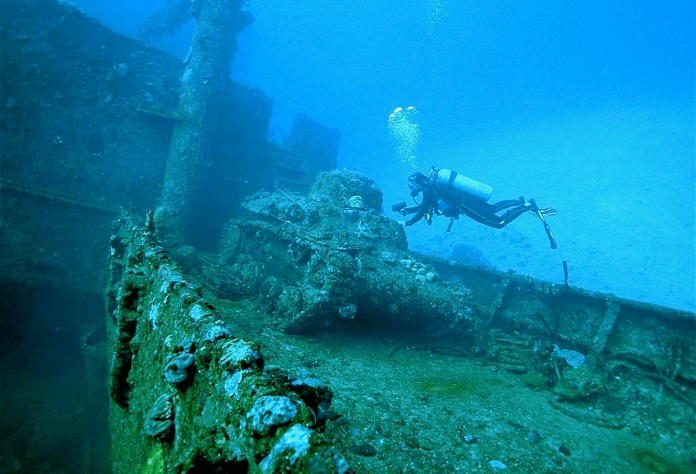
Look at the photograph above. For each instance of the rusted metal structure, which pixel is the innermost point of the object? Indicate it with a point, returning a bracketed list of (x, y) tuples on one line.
[(186, 394), (87, 123)]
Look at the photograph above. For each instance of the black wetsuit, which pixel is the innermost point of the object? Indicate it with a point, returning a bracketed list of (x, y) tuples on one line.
[(443, 200), (439, 200)]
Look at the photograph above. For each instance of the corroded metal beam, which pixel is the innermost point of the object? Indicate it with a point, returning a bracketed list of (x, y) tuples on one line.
[(218, 22), (186, 395)]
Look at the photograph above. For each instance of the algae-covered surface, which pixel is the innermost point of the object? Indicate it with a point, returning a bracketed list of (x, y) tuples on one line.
[(400, 409)]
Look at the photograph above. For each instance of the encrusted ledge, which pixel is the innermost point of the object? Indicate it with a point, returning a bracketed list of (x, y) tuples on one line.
[(186, 395)]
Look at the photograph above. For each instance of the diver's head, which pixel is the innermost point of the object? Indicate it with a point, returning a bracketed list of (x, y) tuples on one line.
[(417, 183)]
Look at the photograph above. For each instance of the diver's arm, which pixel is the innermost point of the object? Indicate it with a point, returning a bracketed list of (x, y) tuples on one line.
[(409, 210), (429, 198)]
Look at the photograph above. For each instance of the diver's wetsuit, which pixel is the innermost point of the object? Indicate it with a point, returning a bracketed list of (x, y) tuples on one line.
[(428, 204), (436, 196), (442, 199), (485, 213)]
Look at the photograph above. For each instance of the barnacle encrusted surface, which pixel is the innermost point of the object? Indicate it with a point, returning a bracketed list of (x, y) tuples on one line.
[(159, 420), (230, 415)]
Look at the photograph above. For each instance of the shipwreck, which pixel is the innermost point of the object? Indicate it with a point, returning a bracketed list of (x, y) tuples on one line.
[(168, 309)]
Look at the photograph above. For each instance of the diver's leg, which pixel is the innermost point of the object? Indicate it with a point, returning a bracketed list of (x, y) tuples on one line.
[(514, 213), (481, 212), (485, 213), (531, 206), (500, 205)]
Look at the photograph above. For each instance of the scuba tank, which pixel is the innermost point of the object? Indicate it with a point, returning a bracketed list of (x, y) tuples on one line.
[(459, 183)]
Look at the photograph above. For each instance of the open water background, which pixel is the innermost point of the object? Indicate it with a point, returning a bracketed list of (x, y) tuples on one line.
[(587, 107)]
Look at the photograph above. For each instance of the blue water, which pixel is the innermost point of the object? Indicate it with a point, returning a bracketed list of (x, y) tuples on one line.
[(586, 106)]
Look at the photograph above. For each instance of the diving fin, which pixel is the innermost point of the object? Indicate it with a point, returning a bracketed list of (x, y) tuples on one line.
[(540, 213), (549, 234)]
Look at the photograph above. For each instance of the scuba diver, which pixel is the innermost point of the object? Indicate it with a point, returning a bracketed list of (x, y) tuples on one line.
[(447, 193)]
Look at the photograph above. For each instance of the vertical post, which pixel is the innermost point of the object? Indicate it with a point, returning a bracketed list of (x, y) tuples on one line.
[(606, 327), (483, 326), (206, 72)]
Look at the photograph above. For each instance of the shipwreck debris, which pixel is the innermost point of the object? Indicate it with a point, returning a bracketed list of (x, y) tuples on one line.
[(331, 259), (234, 413), (206, 70)]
